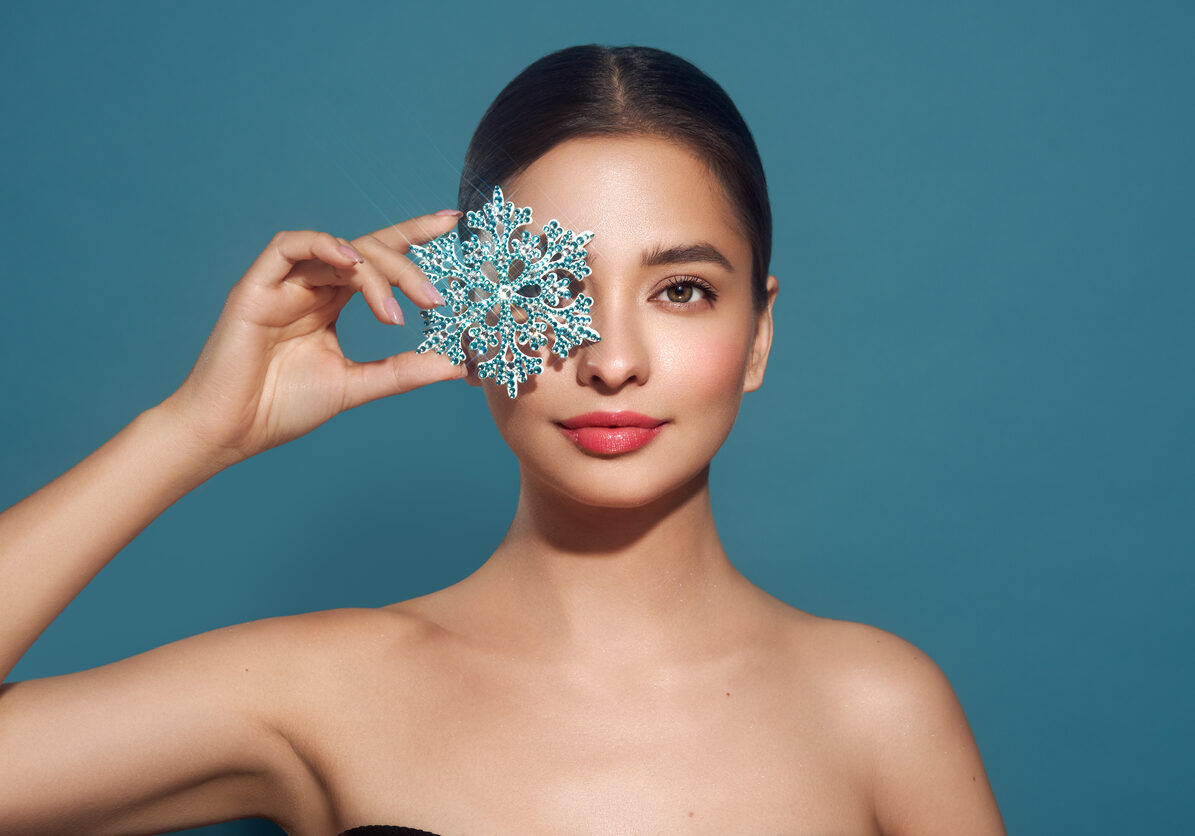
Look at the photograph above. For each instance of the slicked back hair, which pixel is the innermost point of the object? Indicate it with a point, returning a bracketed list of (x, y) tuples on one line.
[(586, 91)]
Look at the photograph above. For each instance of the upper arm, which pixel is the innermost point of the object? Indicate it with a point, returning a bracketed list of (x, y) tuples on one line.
[(179, 736), (927, 774)]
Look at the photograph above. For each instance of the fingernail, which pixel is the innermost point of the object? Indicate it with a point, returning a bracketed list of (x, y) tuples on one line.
[(351, 253), (446, 212), (393, 310), (433, 295)]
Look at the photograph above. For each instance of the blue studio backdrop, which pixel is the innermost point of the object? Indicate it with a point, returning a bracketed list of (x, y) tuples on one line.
[(976, 427)]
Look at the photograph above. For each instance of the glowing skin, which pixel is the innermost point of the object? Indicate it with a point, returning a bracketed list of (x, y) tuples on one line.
[(607, 668), (681, 338)]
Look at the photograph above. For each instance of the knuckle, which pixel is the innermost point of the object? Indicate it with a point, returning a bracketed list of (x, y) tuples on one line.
[(283, 238), (400, 372), (396, 372)]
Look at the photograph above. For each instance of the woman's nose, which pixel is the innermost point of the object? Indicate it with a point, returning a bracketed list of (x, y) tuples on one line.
[(620, 357)]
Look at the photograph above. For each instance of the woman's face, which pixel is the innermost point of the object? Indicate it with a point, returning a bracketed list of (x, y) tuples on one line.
[(681, 338)]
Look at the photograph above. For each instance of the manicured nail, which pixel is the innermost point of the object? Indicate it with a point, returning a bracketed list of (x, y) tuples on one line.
[(433, 295), (393, 310), (351, 253), (444, 213)]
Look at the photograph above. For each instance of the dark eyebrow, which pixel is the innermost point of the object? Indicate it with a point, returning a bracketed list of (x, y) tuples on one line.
[(686, 254)]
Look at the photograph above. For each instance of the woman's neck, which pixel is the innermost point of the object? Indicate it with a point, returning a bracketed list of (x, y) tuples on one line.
[(617, 584)]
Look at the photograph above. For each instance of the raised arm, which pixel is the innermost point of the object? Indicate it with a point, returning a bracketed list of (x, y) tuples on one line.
[(271, 371)]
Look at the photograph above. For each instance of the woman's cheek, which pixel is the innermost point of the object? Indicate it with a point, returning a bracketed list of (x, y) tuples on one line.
[(705, 382), (710, 361)]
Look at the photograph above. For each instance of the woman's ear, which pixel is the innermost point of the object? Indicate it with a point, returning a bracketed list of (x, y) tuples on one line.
[(762, 344)]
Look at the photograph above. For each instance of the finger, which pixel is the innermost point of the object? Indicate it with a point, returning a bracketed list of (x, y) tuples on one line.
[(420, 230), (349, 268), (386, 248), (373, 283), (359, 276), (393, 375), (400, 271), (286, 249)]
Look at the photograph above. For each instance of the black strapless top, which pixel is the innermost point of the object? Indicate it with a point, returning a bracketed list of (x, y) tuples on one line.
[(386, 830)]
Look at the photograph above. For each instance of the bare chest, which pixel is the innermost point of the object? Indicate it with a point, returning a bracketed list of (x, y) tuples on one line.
[(473, 751)]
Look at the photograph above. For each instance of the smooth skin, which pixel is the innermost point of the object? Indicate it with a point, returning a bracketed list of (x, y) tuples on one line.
[(606, 670)]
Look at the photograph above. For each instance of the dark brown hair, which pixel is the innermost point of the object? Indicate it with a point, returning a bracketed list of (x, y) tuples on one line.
[(626, 90)]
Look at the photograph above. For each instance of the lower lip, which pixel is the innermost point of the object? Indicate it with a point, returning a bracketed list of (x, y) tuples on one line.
[(610, 441)]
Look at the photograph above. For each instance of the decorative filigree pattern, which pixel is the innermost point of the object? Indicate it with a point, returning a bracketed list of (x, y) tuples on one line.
[(506, 296)]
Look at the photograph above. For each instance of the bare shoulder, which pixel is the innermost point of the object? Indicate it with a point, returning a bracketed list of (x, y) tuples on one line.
[(885, 683), (900, 708), (884, 672), (337, 632), (298, 661), (310, 666)]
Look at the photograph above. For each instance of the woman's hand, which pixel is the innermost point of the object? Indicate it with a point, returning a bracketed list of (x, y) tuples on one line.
[(273, 369)]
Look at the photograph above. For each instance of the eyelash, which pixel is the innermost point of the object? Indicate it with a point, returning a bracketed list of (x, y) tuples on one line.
[(708, 294)]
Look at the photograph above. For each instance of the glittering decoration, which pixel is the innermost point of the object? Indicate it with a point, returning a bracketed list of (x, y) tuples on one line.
[(505, 293)]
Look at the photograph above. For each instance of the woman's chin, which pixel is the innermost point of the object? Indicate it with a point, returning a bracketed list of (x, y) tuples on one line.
[(629, 491)]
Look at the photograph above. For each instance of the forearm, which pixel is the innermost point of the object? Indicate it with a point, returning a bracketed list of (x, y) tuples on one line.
[(55, 541)]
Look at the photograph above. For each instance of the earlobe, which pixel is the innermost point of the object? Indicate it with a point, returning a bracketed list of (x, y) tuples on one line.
[(762, 344)]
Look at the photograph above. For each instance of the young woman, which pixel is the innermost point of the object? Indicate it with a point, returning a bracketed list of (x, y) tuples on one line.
[(606, 670)]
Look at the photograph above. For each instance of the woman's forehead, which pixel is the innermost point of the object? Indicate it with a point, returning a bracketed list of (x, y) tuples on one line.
[(636, 194)]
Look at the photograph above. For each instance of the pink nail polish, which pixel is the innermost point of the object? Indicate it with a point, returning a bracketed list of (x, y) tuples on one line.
[(446, 212), (433, 295), (393, 310), (351, 253)]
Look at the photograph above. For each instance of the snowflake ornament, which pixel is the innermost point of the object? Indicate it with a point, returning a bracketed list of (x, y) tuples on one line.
[(504, 294)]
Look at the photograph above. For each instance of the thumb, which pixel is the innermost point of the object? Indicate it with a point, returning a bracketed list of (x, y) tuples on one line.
[(394, 375)]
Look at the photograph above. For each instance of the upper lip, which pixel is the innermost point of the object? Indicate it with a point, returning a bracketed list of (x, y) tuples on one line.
[(611, 419)]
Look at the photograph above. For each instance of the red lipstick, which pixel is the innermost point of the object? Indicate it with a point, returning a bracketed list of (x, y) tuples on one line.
[(611, 433)]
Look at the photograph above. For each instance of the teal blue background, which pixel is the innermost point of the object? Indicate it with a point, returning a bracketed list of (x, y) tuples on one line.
[(976, 427)]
